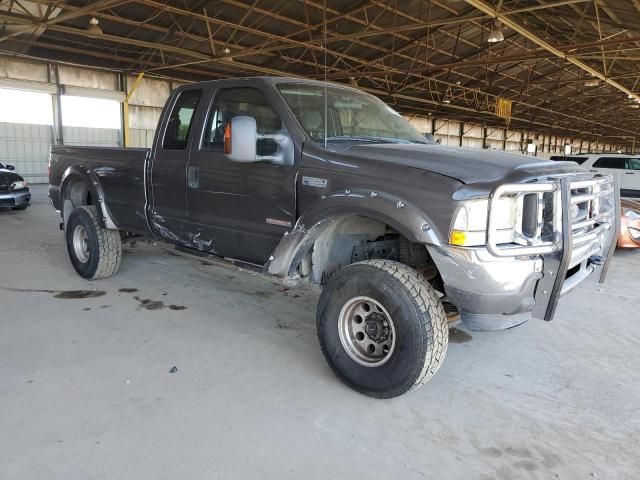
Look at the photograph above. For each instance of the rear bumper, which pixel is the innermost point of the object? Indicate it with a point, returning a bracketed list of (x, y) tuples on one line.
[(15, 199)]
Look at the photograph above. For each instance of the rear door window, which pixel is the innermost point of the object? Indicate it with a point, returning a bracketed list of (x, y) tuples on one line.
[(610, 162), (633, 163), (180, 121)]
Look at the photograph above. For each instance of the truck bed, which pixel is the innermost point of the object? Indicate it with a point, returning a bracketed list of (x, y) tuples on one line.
[(119, 172)]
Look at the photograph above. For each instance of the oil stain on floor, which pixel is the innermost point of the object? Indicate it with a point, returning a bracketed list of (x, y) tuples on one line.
[(63, 294), (79, 294), (149, 304)]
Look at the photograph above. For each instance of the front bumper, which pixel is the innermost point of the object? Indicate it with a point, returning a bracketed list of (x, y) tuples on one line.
[(494, 292), (477, 282), (16, 198)]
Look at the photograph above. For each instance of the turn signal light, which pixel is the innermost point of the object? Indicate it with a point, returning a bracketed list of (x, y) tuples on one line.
[(227, 139), (457, 238)]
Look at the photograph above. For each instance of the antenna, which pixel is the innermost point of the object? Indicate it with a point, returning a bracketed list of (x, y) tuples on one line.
[(324, 44)]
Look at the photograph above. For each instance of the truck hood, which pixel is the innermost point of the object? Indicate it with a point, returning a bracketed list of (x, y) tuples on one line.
[(464, 164)]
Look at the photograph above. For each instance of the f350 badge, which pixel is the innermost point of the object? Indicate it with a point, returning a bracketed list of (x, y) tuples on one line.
[(314, 182)]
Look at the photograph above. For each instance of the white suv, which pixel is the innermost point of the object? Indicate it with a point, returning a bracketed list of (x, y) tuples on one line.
[(627, 167)]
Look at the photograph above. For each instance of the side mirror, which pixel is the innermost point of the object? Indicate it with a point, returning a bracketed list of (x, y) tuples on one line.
[(10, 167), (241, 140)]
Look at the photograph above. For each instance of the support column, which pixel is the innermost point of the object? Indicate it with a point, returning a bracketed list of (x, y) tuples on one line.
[(125, 109), (52, 73)]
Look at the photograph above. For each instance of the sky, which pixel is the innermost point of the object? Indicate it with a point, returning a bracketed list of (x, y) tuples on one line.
[(17, 106)]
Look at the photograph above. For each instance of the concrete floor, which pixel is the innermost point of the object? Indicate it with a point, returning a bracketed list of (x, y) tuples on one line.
[(86, 390)]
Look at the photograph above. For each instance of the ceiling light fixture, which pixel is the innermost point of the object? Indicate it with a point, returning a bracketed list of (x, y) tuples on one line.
[(94, 26), (496, 35)]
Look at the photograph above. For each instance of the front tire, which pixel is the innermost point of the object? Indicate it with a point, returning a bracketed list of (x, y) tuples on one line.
[(21, 207), (382, 328), (95, 252)]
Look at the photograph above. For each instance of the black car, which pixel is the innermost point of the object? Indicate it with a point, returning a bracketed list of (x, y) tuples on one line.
[(14, 192)]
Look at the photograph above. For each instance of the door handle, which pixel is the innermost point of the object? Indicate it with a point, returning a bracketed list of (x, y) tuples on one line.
[(193, 177), (629, 173)]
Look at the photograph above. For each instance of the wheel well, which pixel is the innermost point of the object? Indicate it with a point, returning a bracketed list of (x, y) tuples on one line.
[(350, 239), (76, 193)]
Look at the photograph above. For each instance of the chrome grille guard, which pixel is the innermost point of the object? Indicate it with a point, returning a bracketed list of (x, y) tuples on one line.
[(577, 212), (592, 199)]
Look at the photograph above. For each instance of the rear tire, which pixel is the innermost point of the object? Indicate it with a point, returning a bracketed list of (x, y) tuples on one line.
[(382, 328), (95, 252)]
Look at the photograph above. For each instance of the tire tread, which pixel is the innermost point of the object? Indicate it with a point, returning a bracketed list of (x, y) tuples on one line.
[(109, 246), (432, 346)]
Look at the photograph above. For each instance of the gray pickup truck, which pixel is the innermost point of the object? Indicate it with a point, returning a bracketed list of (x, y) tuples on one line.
[(324, 183)]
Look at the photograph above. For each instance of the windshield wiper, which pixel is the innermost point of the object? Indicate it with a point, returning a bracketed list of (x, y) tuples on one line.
[(365, 138)]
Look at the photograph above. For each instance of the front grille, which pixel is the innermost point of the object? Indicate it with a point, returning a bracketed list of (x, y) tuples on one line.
[(592, 202), (4, 188), (540, 207)]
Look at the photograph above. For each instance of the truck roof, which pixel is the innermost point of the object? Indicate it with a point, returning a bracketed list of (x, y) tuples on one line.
[(272, 80)]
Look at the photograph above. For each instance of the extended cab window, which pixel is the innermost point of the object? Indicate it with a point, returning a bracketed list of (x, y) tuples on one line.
[(180, 120), (242, 101), (610, 162)]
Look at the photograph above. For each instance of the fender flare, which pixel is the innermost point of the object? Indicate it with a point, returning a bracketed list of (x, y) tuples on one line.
[(407, 219), (89, 178)]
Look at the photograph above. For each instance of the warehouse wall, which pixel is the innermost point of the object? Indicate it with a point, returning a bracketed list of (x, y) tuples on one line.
[(145, 108), (26, 147), (448, 132), (96, 137)]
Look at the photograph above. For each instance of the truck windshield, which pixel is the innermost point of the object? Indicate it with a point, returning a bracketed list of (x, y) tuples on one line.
[(351, 116)]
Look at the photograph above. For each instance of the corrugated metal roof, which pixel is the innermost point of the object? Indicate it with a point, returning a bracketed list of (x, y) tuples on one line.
[(423, 56)]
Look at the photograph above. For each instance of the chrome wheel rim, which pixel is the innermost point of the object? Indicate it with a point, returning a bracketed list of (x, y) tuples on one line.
[(366, 331), (81, 244)]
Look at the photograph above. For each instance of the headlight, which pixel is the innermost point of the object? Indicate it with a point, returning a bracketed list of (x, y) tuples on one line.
[(631, 214), (470, 222), (18, 185)]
